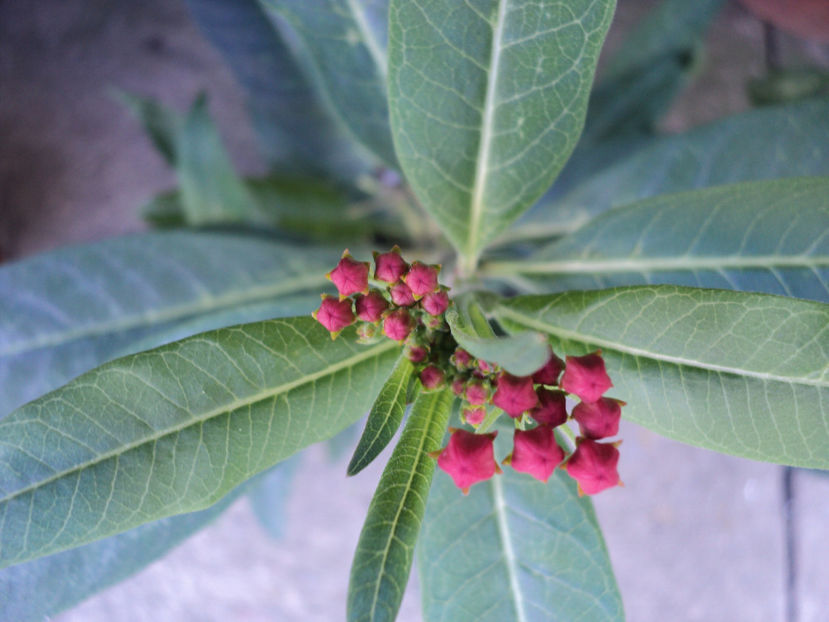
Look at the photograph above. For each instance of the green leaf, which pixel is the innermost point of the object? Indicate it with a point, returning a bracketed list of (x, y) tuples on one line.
[(346, 41), (296, 131), (786, 85), (766, 236), (744, 374), (162, 124), (385, 417), (385, 550), (269, 495), (487, 102), (174, 429), (514, 549), (64, 312), (520, 354)]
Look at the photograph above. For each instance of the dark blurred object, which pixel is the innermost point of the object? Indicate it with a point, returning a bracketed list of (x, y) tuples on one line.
[(808, 19), (787, 85)]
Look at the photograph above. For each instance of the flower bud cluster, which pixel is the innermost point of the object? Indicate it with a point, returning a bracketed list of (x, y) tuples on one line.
[(406, 303)]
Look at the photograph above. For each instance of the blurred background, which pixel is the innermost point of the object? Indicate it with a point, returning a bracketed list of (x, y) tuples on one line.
[(694, 535)]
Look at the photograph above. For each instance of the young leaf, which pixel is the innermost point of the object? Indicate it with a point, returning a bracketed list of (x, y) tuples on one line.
[(64, 312), (487, 101), (764, 236), (514, 549), (385, 550), (384, 418), (347, 42), (744, 374), (162, 124), (174, 429)]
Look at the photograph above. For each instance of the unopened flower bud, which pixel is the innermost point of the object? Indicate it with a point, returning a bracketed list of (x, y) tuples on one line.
[(514, 394), (334, 314), (416, 354), (350, 276), (397, 325), (461, 359), (431, 377), (422, 279), (389, 267), (401, 295), (551, 409), (485, 367), (468, 458), (366, 332), (599, 419), (474, 416), (435, 303), (458, 386), (535, 452), (549, 373), (370, 307), (586, 377), (593, 466), (476, 393), (434, 322)]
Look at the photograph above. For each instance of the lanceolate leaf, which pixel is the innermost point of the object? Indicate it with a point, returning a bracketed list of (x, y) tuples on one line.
[(740, 373), (386, 547), (64, 312), (765, 236), (384, 418), (347, 41), (487, 101), (174, 429), (514, 549)]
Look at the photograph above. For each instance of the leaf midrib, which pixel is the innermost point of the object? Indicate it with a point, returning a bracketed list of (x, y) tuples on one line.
[(500, 509), (370, 41), (200, 420), (639, 352), (197, 306)]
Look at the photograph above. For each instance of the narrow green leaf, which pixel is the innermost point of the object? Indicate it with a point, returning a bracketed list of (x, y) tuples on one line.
[(487, 102), (385, 550), (67, 311), (514, 549), (744, 374), (385, 417), (346, 41), (162, 124), (174, 429), (765, 236)]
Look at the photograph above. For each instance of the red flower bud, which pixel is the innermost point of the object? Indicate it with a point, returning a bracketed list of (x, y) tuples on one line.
[(474, 416), (461, 359), (599, 419), (435, 303), (586, 377), (401, 295), (458, 386), (551, 409), (371, 306), (431, 377), (422, 279), (514, 395), (484, 367), (468, 458), (535, 452), (416, 354), (593, 466), (350, 276), (397, 325), (334, 314), (549, 373), (389, 267), (476, 393)]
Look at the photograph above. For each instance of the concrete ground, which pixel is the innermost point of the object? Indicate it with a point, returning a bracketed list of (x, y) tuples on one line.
[(694, 535)]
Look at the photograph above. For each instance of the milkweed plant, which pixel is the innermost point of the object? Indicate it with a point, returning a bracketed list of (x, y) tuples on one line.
[(529, 260)]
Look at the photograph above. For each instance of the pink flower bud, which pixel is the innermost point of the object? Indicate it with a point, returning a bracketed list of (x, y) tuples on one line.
[(549, 373), (484, 367), (535, 452), (599, 419), (401, 295), (461, 359), (586, 377), (431, 377), (334, 314), (389, 267), (371, 306), (476, 393), (422, 279), (474, 416), (551, 409), (435, 303), (514, 395), (593, 466), (350, 276), (397, 325), (458, 386), (468, 458), (434, 322), (416, 354)]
